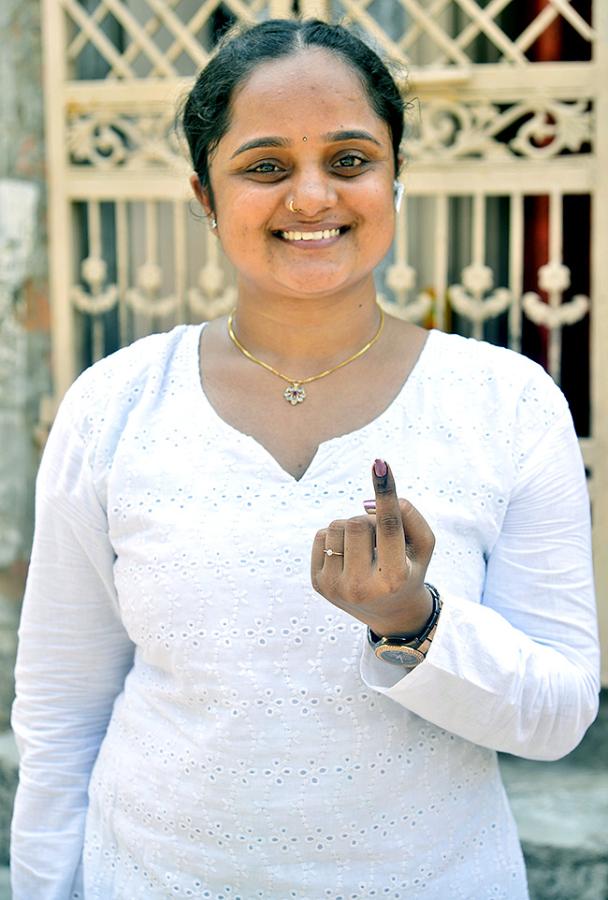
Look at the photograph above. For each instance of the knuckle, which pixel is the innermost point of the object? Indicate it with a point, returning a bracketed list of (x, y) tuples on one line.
[(331, 587), (358, 525), (358, 593), (393, 582), (337, 524), (390, 524)]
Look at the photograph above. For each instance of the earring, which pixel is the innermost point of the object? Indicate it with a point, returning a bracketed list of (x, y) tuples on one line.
[(213, 223), (398, 191)]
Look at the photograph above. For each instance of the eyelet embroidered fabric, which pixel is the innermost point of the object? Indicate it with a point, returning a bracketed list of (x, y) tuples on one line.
[(245, 756)]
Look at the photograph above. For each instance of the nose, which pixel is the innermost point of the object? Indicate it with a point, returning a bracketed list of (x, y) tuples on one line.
[(312, 192)]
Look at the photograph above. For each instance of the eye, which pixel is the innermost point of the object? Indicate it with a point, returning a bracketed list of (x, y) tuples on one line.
[(266, 167), (350, 161)]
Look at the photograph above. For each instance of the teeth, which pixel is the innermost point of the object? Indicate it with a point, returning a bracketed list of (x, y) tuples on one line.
[(310, 235)]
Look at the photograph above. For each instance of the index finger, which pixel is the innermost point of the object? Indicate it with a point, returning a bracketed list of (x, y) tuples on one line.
[(390, 536)]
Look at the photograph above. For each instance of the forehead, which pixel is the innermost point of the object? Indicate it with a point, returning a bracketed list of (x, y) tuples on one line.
[(308, 90)]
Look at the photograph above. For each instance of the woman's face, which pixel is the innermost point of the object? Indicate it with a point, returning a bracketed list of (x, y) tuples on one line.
[(302, 128)]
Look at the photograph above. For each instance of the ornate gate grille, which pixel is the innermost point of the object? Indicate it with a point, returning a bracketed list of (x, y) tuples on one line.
[(506, 181)]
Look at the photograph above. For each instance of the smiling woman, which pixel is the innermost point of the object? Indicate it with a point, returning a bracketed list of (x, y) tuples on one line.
[(235, 677)]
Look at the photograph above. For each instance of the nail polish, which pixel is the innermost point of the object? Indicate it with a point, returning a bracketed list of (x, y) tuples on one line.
[(370, 507), (380, 468)]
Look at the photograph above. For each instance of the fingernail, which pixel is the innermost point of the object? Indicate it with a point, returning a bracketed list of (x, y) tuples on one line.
[(370, 507), (380, 468)]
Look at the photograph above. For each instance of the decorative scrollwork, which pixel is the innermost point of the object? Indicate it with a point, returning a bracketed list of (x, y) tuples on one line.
[(554, 317), (554, 278), (144, 297), (536, 128), (211, 298), (106, 140), (470, 300), (96, 300), (401, 278), (544, 128)]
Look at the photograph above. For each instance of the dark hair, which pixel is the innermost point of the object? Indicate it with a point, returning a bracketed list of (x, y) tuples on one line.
[(206, 113)]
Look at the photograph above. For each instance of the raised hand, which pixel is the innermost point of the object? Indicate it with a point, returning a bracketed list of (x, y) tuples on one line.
[(376, 570)]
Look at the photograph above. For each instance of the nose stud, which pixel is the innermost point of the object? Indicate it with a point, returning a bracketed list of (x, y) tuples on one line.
[(292, 208)]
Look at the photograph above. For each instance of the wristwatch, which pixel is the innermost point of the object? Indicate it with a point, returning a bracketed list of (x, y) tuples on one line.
[(408, 652)]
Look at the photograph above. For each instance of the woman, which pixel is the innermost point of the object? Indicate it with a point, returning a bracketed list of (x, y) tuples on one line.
[(196, 719)]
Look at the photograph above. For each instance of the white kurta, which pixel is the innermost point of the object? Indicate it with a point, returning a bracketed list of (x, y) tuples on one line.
[(242, 739)]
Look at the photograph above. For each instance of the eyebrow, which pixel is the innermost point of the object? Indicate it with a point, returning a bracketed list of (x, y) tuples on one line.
[(333, 137)]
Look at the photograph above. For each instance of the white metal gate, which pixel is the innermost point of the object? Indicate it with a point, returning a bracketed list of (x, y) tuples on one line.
[(507, 181)]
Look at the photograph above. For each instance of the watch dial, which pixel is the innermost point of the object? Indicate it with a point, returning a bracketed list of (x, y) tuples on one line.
[(400, 656)]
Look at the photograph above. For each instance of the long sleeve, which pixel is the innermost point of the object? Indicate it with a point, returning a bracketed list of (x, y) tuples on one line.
[(73, 657), (518, 671)]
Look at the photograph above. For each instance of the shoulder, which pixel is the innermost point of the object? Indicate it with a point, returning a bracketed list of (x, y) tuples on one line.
[(493, 394), (119, 381), (493, 374)]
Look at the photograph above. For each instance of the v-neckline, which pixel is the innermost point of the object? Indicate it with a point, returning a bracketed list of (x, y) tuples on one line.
[(262, 451)]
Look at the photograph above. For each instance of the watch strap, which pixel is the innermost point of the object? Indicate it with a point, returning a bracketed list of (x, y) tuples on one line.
[(411, 651)]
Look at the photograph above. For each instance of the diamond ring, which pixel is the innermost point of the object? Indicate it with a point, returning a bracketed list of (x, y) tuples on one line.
[(331, 552)]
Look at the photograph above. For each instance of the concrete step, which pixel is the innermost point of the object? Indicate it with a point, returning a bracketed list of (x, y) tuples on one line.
[(5, 887), (562, 817), (8, 785), (561, 809)]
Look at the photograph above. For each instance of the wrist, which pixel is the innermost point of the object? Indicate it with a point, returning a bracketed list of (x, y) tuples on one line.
[(419, 613)]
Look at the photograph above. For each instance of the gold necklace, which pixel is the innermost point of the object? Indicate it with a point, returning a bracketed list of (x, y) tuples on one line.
[(295, 393)]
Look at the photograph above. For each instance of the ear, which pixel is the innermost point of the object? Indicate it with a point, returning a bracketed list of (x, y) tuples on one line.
[(201, 195)]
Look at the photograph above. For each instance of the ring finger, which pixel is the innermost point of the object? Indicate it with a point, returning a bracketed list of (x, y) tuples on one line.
[(334, 545)]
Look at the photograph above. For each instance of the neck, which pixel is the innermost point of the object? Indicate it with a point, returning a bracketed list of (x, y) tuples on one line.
[(305, 335)]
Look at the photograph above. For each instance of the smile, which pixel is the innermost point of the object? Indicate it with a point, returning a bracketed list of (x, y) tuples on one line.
[(325, 235)]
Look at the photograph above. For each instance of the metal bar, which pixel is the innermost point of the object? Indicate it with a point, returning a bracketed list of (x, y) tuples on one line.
[(574, 18), (179, 257), (415, 31), (63, 335), (479, 248), (139, 36), (537, 27), (441, 258), (150, 27), (555, 297), (564, 81), (122, 267), (599, 331), (80, 40), (186, 40), (97, 38), (516, 268), (280, 9), (151, 238), (492, 31), (95, 250), (575, 177), (471, 30), (431, 28)]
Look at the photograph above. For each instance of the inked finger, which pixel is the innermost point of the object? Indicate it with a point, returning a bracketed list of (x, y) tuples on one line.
[(390, 536)]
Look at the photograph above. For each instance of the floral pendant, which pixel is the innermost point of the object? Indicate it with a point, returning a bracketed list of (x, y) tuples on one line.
[(294, 394)]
